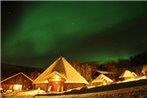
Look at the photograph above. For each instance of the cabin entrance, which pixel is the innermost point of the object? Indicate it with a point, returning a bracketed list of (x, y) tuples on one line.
[(56, 86), (56, 83)]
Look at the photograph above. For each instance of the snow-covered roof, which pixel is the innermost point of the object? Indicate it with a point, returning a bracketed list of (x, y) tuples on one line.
[(128, 74), (105, 72), (62, 67), (15, 76), (102, 78)]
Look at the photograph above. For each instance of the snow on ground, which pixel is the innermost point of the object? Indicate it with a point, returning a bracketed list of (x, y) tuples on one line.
[(136, 79), (31, 93), (133, 92), (89, 89), (24, 93)]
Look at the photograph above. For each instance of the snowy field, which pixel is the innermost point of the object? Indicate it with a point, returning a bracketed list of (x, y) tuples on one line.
[(26, 94), (134, 92), (136, 89)]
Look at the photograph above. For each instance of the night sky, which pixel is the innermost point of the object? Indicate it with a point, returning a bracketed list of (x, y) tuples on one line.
[(37, 33)]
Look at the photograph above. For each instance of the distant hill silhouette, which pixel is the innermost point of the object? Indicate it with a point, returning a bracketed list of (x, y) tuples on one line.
[(140, 59), (8, 70), (86, 69)]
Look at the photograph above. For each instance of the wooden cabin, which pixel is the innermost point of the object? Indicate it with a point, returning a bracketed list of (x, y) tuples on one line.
[(17, 82), (102, 80), (127, 75), (109, 74), (59, 76)]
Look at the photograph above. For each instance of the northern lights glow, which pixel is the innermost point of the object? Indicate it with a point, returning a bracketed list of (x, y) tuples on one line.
[(82, 31)]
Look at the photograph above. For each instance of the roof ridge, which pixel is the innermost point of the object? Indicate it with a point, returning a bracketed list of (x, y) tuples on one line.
[(16, 75)]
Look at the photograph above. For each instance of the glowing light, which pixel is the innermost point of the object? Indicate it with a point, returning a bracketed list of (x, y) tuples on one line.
[(46, 81), (49, 89), (57, 78), (58, 88), (17, 87)]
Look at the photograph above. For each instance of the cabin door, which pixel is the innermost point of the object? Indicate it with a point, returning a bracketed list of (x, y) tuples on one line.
[(58, 86), (56, 83)]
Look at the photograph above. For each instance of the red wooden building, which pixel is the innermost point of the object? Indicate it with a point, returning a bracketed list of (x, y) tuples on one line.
[(17, 82), (59, 76)]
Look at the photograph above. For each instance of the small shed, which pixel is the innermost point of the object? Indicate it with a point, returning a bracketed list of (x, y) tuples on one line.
[(102, 80), (127, 75), (17, 82), (108, 73)]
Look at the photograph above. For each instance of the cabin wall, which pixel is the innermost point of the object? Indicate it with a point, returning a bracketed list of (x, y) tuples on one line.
[(67, 86), (20, 79), (101, 83), (56, 86), (42, 86), (126, 78), (73, 85), (97, 83)]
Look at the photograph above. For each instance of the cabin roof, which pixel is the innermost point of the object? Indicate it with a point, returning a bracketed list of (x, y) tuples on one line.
[(65, 69), (127, 73), (15, 76), (104, 72), (102, 78)]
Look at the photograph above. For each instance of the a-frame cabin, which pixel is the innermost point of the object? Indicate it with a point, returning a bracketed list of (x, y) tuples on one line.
[(59, 76)]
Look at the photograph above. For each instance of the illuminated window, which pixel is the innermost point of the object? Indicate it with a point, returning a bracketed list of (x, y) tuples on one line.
[(56, 78), (17, 87)]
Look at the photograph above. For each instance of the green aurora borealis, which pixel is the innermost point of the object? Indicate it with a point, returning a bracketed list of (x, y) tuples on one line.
[(81, 31)]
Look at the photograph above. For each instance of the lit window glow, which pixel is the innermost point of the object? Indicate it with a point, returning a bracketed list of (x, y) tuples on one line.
[(57, 78), (17, 87), (46, 81)]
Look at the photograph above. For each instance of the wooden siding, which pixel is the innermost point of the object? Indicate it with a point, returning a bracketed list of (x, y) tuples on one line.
[(19, 79)]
